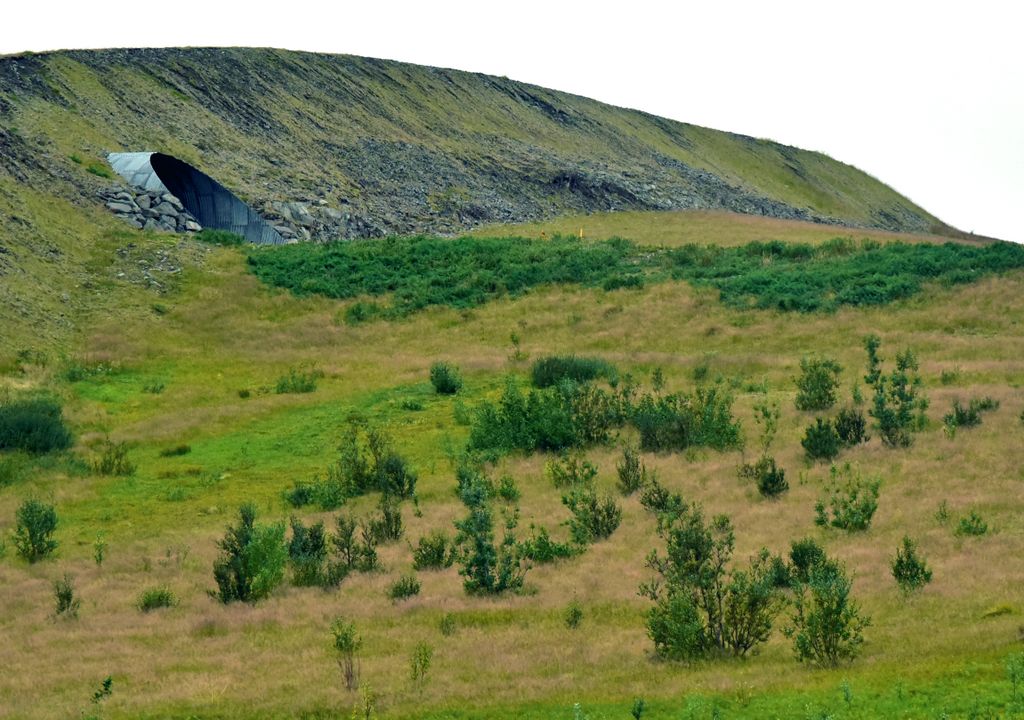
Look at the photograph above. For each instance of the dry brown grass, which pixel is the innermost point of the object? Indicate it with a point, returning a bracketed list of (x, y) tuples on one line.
[(225, 332)]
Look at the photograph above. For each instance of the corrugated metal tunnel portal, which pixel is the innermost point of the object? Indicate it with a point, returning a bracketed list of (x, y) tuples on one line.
[(212, 204)]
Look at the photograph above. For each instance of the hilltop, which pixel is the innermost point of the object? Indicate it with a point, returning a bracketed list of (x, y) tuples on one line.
[(394, 148)]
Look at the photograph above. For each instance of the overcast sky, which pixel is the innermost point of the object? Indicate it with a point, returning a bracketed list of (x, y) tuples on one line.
[(927, 97)]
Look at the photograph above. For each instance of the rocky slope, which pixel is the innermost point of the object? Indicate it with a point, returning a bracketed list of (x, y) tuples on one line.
[(339, 146)]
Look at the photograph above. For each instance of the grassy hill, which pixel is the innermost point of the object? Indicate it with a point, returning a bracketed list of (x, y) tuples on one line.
[(196, 362), (402, 148)]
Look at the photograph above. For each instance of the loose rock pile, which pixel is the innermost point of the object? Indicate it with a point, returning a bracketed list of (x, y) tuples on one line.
[(149, 209)]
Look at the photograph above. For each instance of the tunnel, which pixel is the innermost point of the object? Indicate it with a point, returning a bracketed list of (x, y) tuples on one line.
[(212, 204)]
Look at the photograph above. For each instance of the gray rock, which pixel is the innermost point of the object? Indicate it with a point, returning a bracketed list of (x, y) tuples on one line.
[(143, 201), (121, 207), (166, 208), (124, 196), (192, 226), (136, 223), (151, 224), (168, 198)]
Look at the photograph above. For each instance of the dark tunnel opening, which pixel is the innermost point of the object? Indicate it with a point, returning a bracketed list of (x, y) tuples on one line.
[(212, 204)]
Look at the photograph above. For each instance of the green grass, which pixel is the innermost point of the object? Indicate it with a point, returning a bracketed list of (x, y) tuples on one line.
[(221, 329)]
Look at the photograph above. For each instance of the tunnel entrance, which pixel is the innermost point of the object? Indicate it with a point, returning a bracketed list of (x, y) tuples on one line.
[(212, 204)]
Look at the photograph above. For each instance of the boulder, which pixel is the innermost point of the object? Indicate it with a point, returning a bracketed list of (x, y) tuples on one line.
[(143, 201), (166, 208), (121, 207)]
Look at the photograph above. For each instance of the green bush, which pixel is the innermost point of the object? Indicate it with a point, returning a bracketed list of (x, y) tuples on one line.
[(899, 403), (353, 552), (827, 625), (570, 470), (766, 475), (307, 552), (65, 601), (676, 627), (817, 384), (821, 441), (970, 416), (252, 559), (35, 524), (176, 451), (972, 524), (386, 526), (632, 472), (156, 598), (433, 552), (507, 489), (554, 369), (113, 460), (804, 555), (593, 518), (658, 500), (573, 614), (540, 548), (908, 570), (851, 500), (347, 643), (851, 427), (486, 568), (368, 462), (447, 625), (298, 380), (35, 426), (678, 422), (404, 588), (445, 378)]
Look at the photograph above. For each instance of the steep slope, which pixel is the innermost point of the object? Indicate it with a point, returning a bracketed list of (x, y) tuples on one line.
[(379, 147)]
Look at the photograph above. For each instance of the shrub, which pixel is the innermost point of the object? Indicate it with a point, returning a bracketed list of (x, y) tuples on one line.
[(447, 625), (298, 380), (354, 553), (899, 404), (631, 471), (1015, 672), (432, 552), (113, 460), (908, 570), (35, 426), (804, 555), (593, 518), (66, 602), (419, 663), (445, 378), (252, 559), (570, 470), (507, 489), (820, 441), (487, 569), (554, 369), (573, 614), (556, 418), (969, 416), (678, 422), (176, 451), (35, 524), (658, 500), (156, 598), (367, 461), (827, 625), (386, 526), (972, 524), (404, 588), (851, 500), (698, 605), (769, 478), (540, 548), (328, 493), (346, 644), (817, 384), (307, 551), (851, 427)]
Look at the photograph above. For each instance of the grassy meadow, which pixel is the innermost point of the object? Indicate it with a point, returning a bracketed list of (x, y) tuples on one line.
[(216, 340)]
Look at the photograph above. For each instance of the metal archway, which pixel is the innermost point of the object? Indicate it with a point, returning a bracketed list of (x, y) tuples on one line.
[(212, 204)]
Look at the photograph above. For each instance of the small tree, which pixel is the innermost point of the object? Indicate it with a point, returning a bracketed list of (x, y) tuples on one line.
[(66, 603), (252, 559), (347, 643), (631, 471), (419, 663), (851, 500), (593, 518), (899, 405), (817, 384), (851, 427), (827, 625), (821, 441), (487, 569), (35, 524), (769, 478), (445, 378), (910, 571), (307, 551)]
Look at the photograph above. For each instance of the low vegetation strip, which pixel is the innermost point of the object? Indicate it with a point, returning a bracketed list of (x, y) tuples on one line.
[(419, 272)]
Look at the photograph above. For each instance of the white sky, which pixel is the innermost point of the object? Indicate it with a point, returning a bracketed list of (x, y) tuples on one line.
[(926, 96)]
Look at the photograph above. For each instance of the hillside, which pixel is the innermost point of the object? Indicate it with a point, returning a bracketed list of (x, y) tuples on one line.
[(387, 147)]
